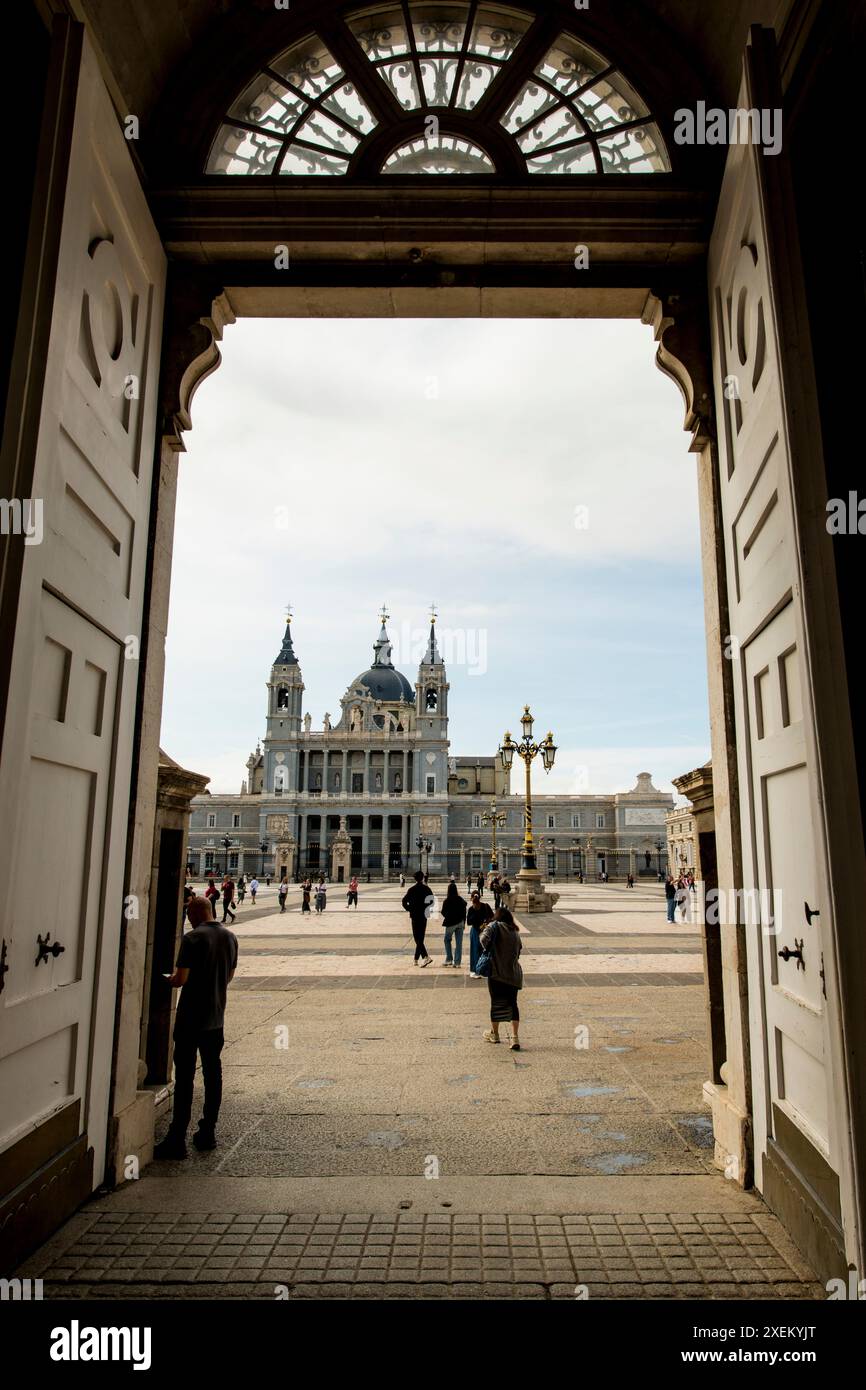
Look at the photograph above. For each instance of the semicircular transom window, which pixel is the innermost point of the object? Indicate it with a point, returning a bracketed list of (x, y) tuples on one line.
[(309, 112)]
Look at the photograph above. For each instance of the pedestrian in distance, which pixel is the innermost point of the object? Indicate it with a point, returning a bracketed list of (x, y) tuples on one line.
[(504, 892), (469, 882), (682, 898), (629, 883), (477, 917), (254, 888), (670, 897), (501, 944), (479, 884), (282, 894), (352, 894), (306, 890), (419, 903), (228, 887), (454, 921), (188, 892), (495, 884), (402, 880), (206, 964), (212, 893), (242, 890), (321, 894)]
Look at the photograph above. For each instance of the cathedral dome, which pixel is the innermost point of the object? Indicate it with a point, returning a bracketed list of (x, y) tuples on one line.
[(383, 681), (386, 683)]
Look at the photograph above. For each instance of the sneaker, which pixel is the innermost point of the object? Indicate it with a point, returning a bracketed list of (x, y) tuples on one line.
[(490, 1036), (515, 1047), (171, 1147), (204, 1139), (426, 960)]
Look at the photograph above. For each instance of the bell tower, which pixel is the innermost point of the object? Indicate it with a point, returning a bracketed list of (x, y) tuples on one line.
[(285, 698), (431, 689)]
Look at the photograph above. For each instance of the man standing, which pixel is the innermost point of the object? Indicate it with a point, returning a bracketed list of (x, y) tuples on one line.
[(418, 902), (228, 887), (283, 893), (495, 890), (670, 897), (206, 963), (254, 888)]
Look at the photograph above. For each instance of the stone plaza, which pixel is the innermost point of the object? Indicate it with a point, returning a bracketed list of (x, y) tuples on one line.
[(373, 1146)]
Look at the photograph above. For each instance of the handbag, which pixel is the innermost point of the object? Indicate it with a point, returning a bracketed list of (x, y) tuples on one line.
[(484, 964)]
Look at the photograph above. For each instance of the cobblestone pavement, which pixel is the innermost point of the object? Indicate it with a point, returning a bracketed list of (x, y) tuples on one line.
[(701, 1255), (344, 1080)]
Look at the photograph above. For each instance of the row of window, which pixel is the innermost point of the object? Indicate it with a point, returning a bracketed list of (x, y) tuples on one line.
[(600, 821)]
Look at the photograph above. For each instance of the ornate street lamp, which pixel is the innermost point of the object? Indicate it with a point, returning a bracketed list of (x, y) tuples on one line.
[(659, 848), (494, 818), (226, 843), (528, 749), (264, 849)]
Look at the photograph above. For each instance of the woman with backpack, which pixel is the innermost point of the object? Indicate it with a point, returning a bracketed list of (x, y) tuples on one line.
[(454, 920), (212, 893), (500, 962)]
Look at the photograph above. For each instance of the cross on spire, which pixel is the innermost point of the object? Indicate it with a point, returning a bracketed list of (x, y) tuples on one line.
[(384, 615), (433, 614), (289, 611)]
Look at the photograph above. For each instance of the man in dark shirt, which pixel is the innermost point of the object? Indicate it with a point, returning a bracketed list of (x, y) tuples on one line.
[(418, 902), (206, 963)]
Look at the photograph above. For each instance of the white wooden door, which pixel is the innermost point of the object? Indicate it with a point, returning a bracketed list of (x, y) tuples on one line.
[(784, 861), (66, 754)]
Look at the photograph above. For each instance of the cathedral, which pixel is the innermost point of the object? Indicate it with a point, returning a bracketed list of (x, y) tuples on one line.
[(377, 792)]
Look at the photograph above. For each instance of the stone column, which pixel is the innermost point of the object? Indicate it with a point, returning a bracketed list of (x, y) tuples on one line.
[(345, 777), (302, 840), (366, 771), (462, 861), (365, 838), (405, 771)]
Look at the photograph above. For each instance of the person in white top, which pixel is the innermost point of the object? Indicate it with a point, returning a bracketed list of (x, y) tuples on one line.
[(254, 888)]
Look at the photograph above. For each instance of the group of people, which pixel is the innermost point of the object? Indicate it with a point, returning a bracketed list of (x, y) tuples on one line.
[(494, 945), (677, 892), (229, 893)]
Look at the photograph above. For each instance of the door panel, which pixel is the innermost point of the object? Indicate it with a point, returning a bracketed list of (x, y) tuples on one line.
[(784, 859), (66, 757)]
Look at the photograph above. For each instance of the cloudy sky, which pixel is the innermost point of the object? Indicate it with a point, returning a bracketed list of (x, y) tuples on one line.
[(529, 477)]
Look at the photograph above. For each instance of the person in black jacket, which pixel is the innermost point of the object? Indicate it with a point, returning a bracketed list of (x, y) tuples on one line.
[(418, 902), (454, 920), (477, 917)]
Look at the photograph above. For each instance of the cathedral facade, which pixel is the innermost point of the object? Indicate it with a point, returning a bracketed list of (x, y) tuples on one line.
[(377, 792)]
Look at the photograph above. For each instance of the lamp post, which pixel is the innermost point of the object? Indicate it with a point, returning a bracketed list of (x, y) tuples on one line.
[(226, 843), (659, 848), (264, 849), (530, 893), (494, 818)]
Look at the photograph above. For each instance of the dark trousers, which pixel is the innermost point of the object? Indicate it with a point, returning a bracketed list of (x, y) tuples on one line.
[(209, 1044), (419, 927)]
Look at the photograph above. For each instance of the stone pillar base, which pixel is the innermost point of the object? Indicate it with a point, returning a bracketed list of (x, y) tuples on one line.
[(732, 1132), (529, 894)]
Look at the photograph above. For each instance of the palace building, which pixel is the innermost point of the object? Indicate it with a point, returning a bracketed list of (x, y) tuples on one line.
[(383, 774)]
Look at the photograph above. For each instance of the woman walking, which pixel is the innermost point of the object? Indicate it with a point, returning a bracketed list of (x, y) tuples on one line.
[(306, 890), (477, 917), (454, 920), (501, 939), (352, 894), (321, 895), (242, 889), (254, 888)]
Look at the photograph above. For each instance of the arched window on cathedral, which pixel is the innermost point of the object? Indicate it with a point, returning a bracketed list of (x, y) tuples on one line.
[(431, 700), (282, 697), (281, 780)]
